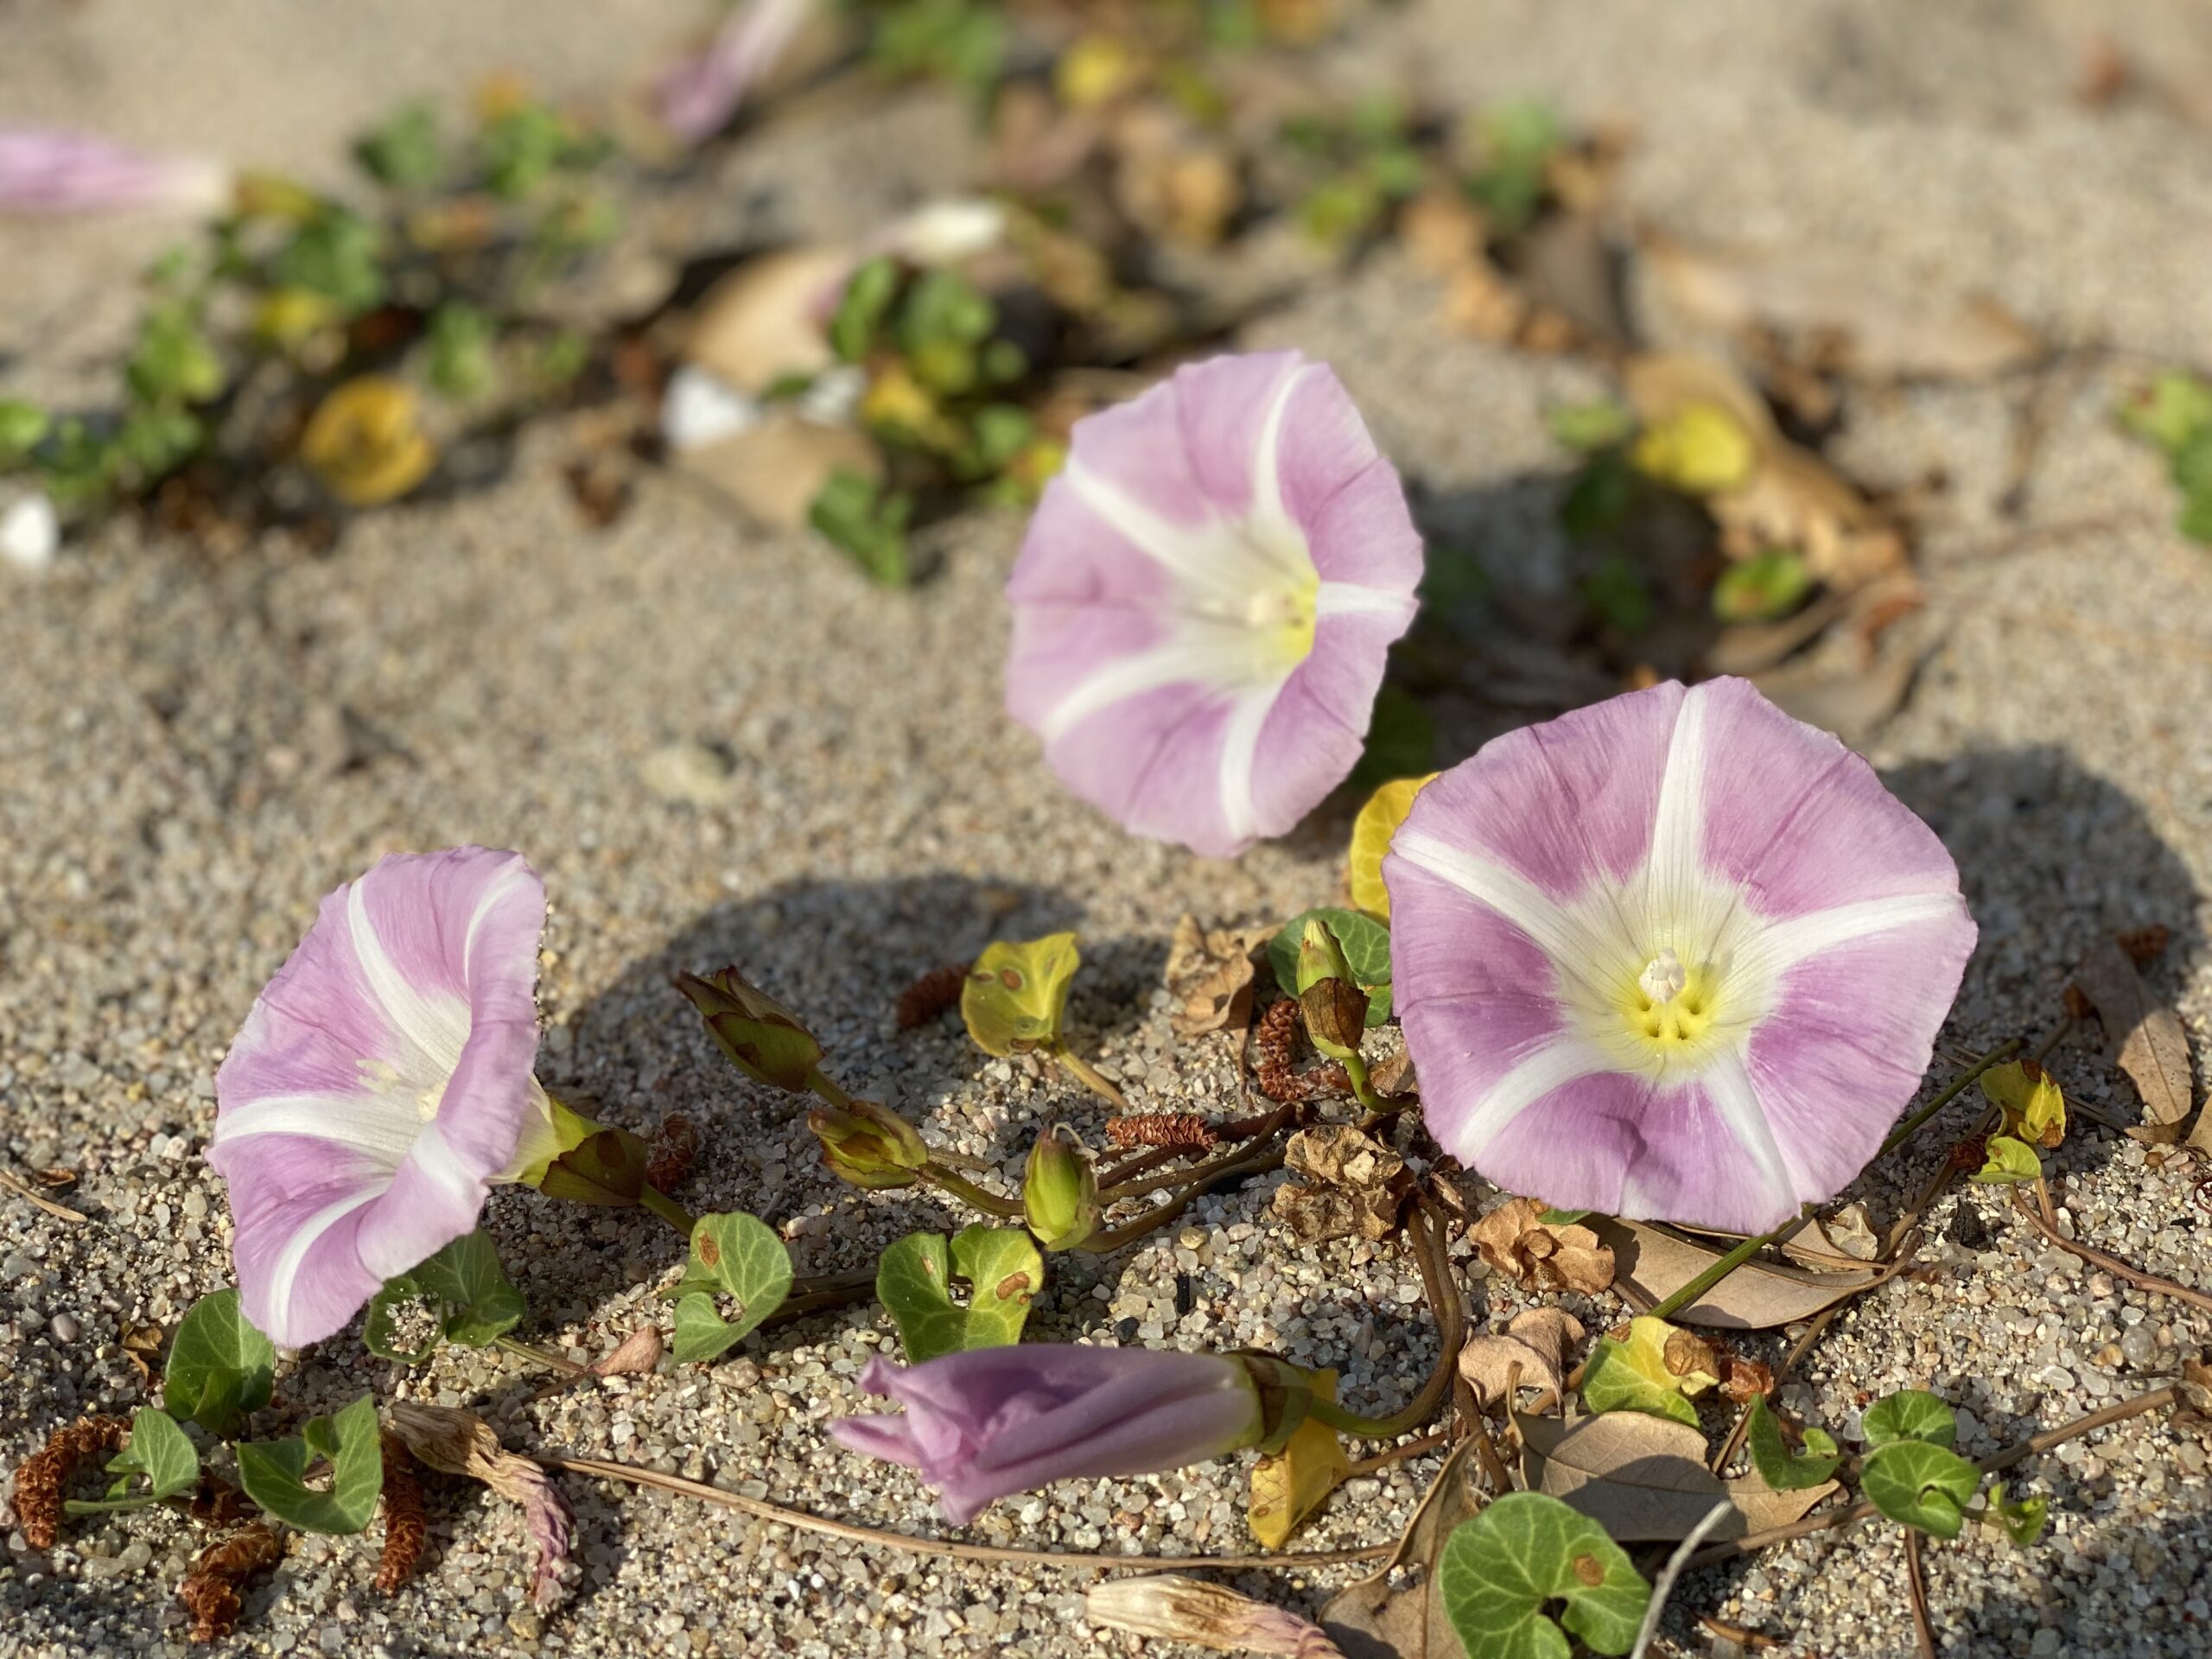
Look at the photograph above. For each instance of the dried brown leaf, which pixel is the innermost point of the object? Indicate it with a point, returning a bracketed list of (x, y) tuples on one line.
[(1644, 1478), (636, 1355), (1374, 1618), (1572, 1257), (1535, 1345), (1757, 1296), (1354, 1184), (1840, 312), (761, 323), (1209, 974), (1836, 1241), (2144, 1038)]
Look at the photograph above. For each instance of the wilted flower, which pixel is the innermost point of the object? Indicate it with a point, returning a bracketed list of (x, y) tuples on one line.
[(987, 1422), (1205, 599), (381, 1083), (1677, 955), (459, 1442), (47, 170), (697, 99)]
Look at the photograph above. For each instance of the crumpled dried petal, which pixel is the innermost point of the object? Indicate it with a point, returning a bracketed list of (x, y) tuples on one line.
[(406, 1523), (460, 1443), (1516, 1242), (42, 1476), (210, 1590), (1354, 1184)]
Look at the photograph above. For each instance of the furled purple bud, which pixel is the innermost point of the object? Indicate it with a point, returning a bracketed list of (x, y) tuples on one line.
[(984, 1423)]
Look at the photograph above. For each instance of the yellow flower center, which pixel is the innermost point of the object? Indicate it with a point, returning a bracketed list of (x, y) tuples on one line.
[(1671, 1006), (1286, 616)]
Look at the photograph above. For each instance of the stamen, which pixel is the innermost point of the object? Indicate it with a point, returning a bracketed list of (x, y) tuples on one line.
[(1663, 977)]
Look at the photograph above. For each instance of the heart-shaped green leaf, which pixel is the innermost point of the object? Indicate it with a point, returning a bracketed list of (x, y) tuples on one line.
[(1366, 945), (1017, 994), (1781, 1468), (1500, 1570), (158, 1450), (732, 1255), (914, 1281), (474, 1301), (1910, 1414), (1652, 1371), (274, 1472), (220, 1368), (1919, 1485)]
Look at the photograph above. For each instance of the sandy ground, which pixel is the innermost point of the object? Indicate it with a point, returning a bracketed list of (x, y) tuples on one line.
[(194, 751)]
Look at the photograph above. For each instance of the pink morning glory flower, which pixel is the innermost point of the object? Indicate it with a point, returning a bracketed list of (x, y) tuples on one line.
[(987, 1422), (1677, 957), (50, 170), (382, 1083), (1205, 599)]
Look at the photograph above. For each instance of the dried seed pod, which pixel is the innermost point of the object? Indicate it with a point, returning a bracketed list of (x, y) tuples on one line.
[(1186, 1131), (934, 994), (210, 1592), (668, 1161), (406, 1523), (43, 1475)]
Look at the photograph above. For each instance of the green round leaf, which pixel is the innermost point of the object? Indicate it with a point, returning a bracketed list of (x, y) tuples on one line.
[(220, 1368), (274, 1472), (1016, 995), (1367, 949), (914, 1281), (1911, 1415), (1527, 1549), (1919, 1485), (1781, 1468), (732, 1255)]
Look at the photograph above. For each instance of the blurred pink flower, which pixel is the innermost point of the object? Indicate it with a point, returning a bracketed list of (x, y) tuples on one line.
[(1206, 598), (697, 98), (1675, 956), (50, 170), (381, 1083), (987, 1422)]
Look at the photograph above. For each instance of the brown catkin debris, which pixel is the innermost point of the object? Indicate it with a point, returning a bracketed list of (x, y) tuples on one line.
[(216, 1502), (2143, 945), (1277, 1042), (210, 1592), (406, 1523), (675, 1144), (2078, 1006), (934, 994), (1186, 1131), (43, 1475)]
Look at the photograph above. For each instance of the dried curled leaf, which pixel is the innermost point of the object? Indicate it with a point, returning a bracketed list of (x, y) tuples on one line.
[(1757, 1296), (636, 1355), (406, 1522), (210, 1590), (1209, 974), (41, 1478), (1514, 1240), (2144, 1039), (459, 1442), (1532, 1354)]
